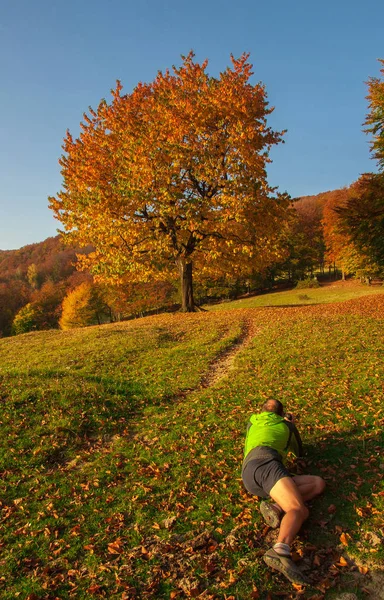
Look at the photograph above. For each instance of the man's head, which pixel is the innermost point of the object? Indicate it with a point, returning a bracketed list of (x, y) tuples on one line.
[(274, 406)]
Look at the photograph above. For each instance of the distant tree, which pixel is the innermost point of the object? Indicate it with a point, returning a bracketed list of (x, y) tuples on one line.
[(375, 117), (83, 306), (47, 304), (309, 242), (36, 263), (361, 265), (33, 276), (25, 320), (362, 216), (76, 278), (339, 248), (13, 295), (303, 240), (174, 175)]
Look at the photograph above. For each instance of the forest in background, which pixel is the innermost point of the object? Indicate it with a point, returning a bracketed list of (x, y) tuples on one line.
[(40, 287)]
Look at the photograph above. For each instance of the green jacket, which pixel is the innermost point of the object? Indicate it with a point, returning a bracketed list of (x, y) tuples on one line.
[(269, 429)]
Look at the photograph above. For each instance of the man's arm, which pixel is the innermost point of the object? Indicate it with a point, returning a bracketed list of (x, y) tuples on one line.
[(295, 444), (246, 436)]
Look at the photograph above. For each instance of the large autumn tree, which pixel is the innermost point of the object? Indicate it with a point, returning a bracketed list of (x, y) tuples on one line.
[(174, 175)]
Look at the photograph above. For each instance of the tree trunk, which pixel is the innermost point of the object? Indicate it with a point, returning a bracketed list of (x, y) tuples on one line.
[(185, 270)]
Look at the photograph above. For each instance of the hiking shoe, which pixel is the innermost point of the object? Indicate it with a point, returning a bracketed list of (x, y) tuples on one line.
[(271, 514), (286, 566)]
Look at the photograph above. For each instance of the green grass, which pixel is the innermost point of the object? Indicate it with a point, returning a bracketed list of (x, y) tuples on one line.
[(120, 473), (337, 292)]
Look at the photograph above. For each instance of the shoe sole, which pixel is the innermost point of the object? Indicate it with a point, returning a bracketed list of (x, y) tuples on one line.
[(270, 516), (291, 574)]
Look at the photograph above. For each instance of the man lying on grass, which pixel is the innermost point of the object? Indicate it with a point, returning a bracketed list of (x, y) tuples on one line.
[(270, 436)]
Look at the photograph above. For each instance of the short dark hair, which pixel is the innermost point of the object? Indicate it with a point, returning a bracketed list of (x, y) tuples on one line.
[(274, 406)]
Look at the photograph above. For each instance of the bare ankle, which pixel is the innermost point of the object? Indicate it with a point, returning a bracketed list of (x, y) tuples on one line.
[(282, 549)]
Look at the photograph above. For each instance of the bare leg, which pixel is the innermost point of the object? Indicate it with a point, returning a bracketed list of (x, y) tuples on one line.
[(309, 487), (287, 495)]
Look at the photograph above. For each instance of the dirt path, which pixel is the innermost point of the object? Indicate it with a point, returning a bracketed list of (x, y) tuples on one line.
[(224, 363)]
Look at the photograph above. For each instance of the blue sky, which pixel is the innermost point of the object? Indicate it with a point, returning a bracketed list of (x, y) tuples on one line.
[(59, 57)]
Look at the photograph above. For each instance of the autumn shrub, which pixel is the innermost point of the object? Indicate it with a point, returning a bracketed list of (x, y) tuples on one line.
[(309, 282), (221, 288), (25, 320)]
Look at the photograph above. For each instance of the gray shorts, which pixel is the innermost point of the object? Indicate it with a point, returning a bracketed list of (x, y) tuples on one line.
[(262, 469)]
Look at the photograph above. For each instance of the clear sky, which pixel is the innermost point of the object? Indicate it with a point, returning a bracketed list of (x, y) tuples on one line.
[(57, 57)]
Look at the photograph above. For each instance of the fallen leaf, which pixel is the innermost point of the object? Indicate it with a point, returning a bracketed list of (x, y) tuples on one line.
[(363, 570), (232, 578), (94, 588), (374, 539), (167, 523), (344, 539)]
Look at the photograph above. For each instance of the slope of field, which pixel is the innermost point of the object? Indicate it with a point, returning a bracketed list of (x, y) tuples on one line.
[(337, 291), (120, 456)]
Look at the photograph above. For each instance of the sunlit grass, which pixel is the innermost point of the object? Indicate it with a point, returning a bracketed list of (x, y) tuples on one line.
[(338, 292), (120, 473)]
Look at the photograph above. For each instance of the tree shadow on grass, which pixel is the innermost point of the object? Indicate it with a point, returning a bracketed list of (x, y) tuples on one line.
[(293, 305), (343, 535), (68, 412)]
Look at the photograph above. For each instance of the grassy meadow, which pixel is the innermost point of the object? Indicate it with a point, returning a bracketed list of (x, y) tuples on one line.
[(120, 460), (338, 291)]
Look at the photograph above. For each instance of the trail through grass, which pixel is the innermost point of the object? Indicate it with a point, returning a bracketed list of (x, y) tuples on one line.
[(121, 472)]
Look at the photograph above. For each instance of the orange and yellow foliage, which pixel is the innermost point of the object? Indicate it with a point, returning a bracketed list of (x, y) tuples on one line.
[(353, 229), (174, 173), (375, 117), (81, 307), (339, 248)]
